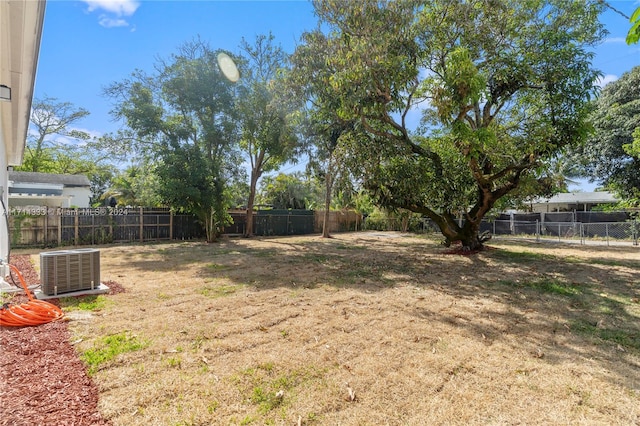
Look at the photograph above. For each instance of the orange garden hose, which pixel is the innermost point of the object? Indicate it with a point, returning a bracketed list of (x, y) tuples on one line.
[(33, 312)]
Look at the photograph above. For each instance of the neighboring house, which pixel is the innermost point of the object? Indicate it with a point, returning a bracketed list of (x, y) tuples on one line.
[(47, 189), (570, 201), (20, 33)]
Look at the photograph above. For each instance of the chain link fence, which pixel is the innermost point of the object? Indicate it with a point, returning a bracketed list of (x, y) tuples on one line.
[(625, 232), (577, 232)]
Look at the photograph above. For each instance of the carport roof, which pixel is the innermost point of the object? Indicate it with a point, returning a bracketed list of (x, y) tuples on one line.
[(601, 197)]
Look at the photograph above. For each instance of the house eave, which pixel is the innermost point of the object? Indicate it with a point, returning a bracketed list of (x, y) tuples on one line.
[(21, 24)]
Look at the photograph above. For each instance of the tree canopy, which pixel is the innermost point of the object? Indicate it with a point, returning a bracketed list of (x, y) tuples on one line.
[(633, 36), (56, 145), (322, 126), (54, 141), (184, 116), (285, 191), (267, 133), (611, 155), (502, 87)]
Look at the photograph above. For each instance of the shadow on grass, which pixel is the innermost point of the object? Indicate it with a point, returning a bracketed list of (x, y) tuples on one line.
[(599, 312)]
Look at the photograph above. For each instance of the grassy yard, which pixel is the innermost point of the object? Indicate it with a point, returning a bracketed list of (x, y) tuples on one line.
[(364, 329)]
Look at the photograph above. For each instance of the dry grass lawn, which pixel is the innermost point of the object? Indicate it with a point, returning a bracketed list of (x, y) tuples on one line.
[(364, 329)]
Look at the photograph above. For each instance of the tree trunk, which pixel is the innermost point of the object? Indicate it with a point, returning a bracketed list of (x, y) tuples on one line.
[(404, 221), (470, 237), (467, 234), (327, 205), (209, 225), (255, 175)]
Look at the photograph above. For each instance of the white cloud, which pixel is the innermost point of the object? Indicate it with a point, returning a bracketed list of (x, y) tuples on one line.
[(615, 40), (603, 81), (107, 22), (114, 11), (117, 7)]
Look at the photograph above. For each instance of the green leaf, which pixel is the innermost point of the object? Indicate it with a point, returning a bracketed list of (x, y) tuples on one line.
[(633, 36)]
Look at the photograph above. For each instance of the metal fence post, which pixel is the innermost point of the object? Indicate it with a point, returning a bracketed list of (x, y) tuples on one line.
[(59, 229), (45, 226), (76, 229)]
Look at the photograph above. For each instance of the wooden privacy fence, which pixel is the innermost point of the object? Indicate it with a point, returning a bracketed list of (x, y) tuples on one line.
[(339, 221), (272, 222), (293, 222), (50, 227)]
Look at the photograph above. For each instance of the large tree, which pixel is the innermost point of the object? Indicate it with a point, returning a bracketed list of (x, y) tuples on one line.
[(56, 145), (503, 86), (183, 117), (609, 156), (53, 133), (322, 127), (267, 133)]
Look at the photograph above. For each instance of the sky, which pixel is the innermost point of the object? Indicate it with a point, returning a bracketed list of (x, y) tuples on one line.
[(87, 45)]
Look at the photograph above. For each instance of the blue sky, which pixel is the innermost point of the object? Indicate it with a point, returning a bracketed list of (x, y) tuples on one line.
[(86, 45)]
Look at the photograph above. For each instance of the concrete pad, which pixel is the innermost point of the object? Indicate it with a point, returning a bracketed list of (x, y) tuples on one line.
[(5, 287), (101, 289)]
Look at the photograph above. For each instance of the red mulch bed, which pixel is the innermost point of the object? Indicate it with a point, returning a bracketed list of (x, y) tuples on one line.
[(42, 380)]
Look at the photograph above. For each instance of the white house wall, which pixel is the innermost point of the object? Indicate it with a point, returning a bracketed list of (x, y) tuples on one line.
[(4, 183), (80, 197), (21, 25)]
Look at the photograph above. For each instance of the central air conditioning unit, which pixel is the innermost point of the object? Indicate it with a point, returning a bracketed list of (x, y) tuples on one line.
[(69, 270)]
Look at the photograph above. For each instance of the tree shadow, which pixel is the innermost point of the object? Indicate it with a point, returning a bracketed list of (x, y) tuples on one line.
[(556, 308)]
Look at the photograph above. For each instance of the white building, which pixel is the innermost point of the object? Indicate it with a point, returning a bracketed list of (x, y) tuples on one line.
[(48, 189), (570, 201), (20, 33)]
